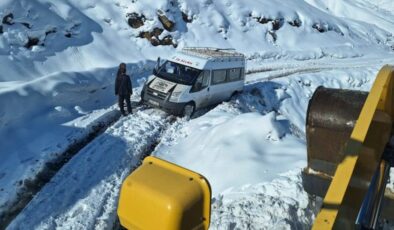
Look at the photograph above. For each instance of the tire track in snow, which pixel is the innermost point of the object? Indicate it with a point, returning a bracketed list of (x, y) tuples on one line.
[(285, 70), (84, 193), (33, 185)]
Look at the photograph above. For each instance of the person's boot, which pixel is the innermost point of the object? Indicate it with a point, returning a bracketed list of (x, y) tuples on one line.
[(123, 113)]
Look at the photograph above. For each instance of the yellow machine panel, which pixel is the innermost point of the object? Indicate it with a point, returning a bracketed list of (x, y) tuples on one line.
[(162, 195)]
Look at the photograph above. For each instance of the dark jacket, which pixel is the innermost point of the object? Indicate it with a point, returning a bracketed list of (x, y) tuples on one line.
[(123, 85)]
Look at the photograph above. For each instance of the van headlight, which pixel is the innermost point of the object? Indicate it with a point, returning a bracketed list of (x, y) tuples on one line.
[(175, 96)]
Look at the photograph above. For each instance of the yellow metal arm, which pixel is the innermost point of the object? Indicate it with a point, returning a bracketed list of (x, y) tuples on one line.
[(368, 139)]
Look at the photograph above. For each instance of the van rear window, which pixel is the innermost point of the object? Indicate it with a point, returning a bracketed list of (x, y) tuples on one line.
[(234, 74), (219, 76)]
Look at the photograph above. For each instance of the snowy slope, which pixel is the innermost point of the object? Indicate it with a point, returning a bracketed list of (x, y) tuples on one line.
[(66, 31), (58, 60)]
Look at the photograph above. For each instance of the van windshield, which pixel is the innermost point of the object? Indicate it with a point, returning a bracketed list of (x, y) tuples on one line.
[(178, 73)]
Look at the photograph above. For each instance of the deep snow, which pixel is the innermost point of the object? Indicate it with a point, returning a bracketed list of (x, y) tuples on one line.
[(57, 91)]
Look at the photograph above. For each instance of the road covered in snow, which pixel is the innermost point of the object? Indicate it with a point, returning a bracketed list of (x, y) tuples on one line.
[(59, 60), (251, 149), (84, 193)]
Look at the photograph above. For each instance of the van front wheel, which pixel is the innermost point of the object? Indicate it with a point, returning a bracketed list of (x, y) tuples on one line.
[(188, 110)]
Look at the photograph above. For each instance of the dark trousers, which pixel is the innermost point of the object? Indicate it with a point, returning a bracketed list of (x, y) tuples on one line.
[(122, 99)]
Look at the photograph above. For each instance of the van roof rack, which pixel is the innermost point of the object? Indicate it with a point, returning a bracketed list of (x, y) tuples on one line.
[(211, 52)]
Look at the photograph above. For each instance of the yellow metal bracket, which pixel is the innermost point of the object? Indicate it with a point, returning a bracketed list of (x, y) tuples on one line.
[(368, 138)]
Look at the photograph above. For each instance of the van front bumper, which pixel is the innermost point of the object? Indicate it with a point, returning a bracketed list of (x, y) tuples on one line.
[(174, 108)]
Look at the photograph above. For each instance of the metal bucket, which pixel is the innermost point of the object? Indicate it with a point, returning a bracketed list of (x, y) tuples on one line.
[(331, 116)]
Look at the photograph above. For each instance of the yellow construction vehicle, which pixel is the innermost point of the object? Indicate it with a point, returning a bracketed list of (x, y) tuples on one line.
[(162, 195), (349, 154), (349, 158)]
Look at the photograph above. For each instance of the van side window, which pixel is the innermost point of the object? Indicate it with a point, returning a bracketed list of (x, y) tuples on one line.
[(201, 82), (219, 76), (205, 80), (234, 74)]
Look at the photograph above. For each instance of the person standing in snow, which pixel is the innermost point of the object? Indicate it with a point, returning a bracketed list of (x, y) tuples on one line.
[(123, 89)]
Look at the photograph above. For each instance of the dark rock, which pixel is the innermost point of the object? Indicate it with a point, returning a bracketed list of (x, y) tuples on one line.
[(166, 41), (67, 35), (296, 23), (167, 23), (277, 23), (157, 31), (186, 18), (32, 41), (8, 19), (319, 27), (135, 20), (144, 34), (148, 35), (1, 29), (153, 37), (50, 31), (273, 35), (263, 20), (27, 25), (155, 41)]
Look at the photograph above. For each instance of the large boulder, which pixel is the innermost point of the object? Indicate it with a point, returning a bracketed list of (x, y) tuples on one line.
[(167, 23), (153, 37), (277, 23), (263, 20), (32, 41), (320, 27), (186, 18), (135, 20), (149, 34)]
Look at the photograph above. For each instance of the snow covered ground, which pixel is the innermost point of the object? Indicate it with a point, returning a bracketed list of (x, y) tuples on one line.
[(58, 60), (247, 136)]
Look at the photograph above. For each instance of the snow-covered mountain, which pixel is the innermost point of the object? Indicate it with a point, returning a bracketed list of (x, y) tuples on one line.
[(58, 61)]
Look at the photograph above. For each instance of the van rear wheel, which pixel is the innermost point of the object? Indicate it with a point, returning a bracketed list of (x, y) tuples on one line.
[(188, 110)]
